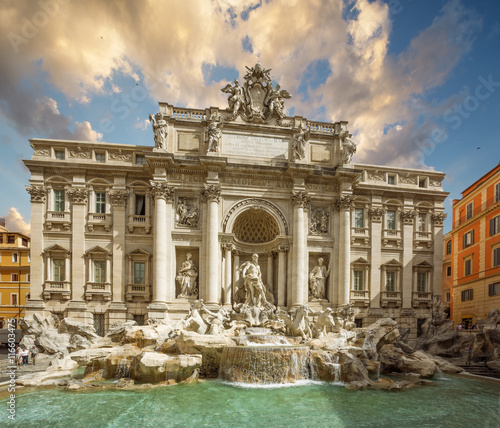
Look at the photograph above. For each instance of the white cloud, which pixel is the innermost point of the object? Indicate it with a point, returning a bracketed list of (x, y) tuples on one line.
[(81, 53), (143, 125), (14, 221)]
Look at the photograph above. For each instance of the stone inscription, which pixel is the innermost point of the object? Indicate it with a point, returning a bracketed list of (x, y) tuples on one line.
[(254, 146), (193, 178), (278, 184), (188, 142)]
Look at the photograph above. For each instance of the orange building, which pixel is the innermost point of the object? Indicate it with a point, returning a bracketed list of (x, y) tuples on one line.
[(14, 273), (475, 250)]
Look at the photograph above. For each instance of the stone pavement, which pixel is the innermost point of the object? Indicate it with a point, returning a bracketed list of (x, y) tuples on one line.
[(42, 362)]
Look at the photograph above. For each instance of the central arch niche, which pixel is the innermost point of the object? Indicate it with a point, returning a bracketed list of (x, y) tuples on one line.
[(255, 226)]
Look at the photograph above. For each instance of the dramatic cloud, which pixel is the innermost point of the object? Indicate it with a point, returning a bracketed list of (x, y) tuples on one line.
[(15, 222), (167, 46)]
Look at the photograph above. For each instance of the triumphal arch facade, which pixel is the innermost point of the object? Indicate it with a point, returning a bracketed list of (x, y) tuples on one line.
[(123, 231)]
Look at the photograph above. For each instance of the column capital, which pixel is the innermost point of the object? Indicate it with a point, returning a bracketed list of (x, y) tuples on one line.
[(283, 247), (408, 216), (118, 197), (345, 203), (77, 195), (300, 199), (376, 214), (211, 192), (438, 218), (161, 190), (228, 247), (37, 193)]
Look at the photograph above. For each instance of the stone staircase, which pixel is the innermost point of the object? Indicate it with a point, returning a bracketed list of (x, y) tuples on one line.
[(480, 369)]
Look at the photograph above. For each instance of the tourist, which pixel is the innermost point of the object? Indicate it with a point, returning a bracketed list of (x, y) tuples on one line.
[(468, 350), (19, 357), (33, 353), (25, 355)]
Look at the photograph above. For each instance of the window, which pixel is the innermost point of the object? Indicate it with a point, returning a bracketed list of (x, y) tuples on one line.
[(468, 267), (467, 295), (391, 179), (448, 297), (11, 239), (422, 222), (497, 192), (496, 257), (1, 238), (15, 277), (469, 211), (100, 202), (495, 225), (391, 220), (421, 282), (100, 157), (24, 242), (139, 319), (99, 324), (15, 257), (468, 239), (448, 248), (140, 159), (359, 217), (28, 277), (358, 276), (140, 204), (139, 273), (29, 257), (58, 273), (59, 200), (100, 271), (13, 299), (390, 281), (494, 289), (422, 182), (59, 154), (448, 271)]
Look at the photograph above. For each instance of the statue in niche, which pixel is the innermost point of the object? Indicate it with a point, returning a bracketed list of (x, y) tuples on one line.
[(186, 214), (255, 290), (160, 132), (299, 141), (214, 136), (187, 277), (317, 280), (319, 221), (348, 147), (237, 98)]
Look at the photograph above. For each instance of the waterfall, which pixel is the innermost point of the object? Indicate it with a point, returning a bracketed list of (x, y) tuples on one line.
[(123, 369), (264, 364)]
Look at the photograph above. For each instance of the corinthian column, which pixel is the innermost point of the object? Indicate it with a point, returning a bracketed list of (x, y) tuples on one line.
[(36, 303), (162, 249), (299, 253), (344, 205), (211, 194)]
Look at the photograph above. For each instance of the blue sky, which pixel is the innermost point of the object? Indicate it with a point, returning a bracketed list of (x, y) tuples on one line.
[(418, 80)]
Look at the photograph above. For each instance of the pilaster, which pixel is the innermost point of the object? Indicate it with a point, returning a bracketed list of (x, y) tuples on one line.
[(408, 220), (211, 195), (376, 214), (345, 204), (299, 251)]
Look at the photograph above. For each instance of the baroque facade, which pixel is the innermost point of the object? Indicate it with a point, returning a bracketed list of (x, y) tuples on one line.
[(122, 231)]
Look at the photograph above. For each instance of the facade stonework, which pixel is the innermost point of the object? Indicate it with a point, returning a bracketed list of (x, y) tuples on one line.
[(121, 223)]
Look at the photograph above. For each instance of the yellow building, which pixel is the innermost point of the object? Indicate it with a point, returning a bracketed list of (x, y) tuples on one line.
[(14, 274)]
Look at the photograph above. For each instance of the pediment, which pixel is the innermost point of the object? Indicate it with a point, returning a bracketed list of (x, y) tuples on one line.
[(98, 250), (139, 252), (393, 262), (423, 264), (361, 261), (56, 249)]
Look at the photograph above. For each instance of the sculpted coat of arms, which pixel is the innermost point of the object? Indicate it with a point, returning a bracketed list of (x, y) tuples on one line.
[(257, 100)]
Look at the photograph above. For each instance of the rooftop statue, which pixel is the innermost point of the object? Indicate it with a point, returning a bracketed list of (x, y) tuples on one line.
[(160, 131), (257, 100)]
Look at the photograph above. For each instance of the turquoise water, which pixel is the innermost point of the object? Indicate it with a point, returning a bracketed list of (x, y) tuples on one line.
[(453, 402)]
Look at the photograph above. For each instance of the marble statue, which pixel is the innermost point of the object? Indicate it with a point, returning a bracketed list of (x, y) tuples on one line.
[(237, 98), (317, 280), (299, 141), (257, 100), (324, 322), (298, 323), (187, 277), (214, 136), (160, 132), (204, 321), (186, 214), (255, 290), (348, 148)]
